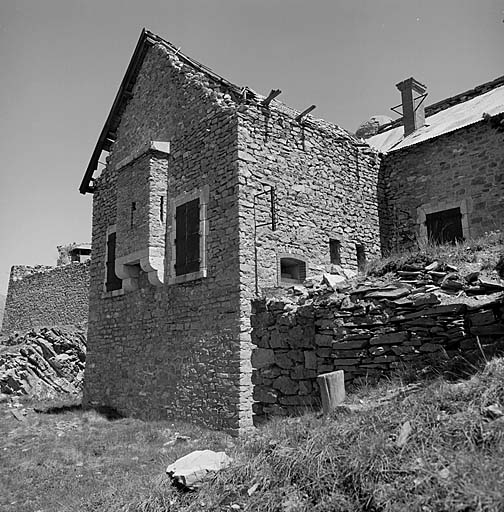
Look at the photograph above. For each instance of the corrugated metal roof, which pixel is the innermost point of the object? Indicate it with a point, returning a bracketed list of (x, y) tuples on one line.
[(445, 121)]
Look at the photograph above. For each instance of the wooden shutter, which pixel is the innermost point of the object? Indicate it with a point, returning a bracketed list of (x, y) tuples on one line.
[(187, 238), (112, 282)]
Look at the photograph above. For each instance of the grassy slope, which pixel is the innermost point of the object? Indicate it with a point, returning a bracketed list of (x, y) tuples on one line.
[(452, 461), (80, 461)]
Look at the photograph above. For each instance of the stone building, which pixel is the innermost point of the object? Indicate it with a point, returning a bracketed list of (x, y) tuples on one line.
[(211, 195), (442, 170), (45, 296)]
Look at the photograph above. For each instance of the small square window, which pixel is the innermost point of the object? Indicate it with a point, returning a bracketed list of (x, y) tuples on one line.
[(292, 270)]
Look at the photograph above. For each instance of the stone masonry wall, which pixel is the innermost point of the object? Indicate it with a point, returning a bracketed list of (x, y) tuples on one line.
[(461, 169), (368, 332), (325, 189), (171, 350), (44, 296)]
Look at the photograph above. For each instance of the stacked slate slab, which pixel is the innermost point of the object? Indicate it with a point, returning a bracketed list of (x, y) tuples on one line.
[(369, 330)]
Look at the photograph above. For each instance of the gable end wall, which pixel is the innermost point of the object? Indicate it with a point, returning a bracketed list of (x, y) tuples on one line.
[(171, 351)]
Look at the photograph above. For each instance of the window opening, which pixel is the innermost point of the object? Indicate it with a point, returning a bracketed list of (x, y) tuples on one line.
[(335, 251), (132, 216), (444, 226), (187, 238), (292, 270), (112, 282), (361, 257), (161, 208)]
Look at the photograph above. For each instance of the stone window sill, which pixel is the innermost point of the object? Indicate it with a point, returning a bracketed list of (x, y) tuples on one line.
[(188, 277), (114, 293)]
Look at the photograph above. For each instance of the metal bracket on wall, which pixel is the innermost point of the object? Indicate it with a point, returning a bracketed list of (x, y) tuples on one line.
[(271, 223)]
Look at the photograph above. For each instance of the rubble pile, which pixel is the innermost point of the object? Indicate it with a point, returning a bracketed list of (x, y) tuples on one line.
[(43, 363), (369, 327)]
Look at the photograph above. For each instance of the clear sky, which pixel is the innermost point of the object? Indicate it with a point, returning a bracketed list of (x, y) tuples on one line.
[(61, 62)]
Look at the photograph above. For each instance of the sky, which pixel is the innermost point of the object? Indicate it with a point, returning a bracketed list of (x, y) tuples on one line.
[(62, 62)]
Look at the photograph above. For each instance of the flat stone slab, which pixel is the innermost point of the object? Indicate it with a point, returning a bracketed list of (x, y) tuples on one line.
[(193, 468)]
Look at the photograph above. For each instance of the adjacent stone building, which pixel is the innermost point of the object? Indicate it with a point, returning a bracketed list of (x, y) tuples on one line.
[(46, 296), (442, 170), (212, 194)]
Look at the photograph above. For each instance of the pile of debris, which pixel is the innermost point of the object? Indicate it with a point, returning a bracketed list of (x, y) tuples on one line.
[(43, 363)]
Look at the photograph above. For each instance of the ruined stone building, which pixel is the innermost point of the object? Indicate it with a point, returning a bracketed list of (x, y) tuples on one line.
[(213, 194), (442, 169), (46, 296)]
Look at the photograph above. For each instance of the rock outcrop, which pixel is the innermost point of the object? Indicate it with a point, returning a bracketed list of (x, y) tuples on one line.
[(43, 363)]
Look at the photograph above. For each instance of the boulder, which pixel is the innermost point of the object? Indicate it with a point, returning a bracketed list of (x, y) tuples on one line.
[(194, 468)]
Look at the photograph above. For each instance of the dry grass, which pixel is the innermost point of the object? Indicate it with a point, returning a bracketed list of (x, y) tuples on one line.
[(453, 460), (81, 461), (486, 252)]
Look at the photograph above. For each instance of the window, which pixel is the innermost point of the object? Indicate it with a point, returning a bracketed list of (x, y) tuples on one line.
[(444, 226), (187, 225), (292, 270), (335, 252), (361, 257), (112, 282), (187, 231)]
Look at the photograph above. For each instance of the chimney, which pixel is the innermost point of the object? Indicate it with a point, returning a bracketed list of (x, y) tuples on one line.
[(413, 95)]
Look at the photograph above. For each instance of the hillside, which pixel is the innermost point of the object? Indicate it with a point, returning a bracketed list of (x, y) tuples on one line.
[(436, 447)]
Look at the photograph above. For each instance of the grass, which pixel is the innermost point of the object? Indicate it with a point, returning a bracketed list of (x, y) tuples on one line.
[(452, 461), (66, 459), (487, 252)]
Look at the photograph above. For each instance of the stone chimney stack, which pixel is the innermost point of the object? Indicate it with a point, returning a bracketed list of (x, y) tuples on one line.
[(413, 96)]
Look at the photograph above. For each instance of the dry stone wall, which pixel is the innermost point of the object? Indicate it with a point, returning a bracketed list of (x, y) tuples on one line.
[(44, 296), (369, 331)]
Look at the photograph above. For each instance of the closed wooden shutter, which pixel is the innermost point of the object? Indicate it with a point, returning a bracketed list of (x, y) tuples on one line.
[(112, 282), (187, 238)]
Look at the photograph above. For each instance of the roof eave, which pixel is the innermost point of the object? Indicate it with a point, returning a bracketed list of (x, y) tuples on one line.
[(107, 136)]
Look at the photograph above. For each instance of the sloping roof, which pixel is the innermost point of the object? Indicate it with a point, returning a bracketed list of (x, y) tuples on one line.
[(461, 114), (238, 94)]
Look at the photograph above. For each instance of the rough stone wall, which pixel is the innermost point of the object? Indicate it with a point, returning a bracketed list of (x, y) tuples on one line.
[(172, 350), (368, 333), (44, 296), (464, 168), (325, 188)]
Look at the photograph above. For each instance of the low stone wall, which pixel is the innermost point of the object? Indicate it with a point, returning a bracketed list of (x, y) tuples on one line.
[(44, 296), (368, 332)]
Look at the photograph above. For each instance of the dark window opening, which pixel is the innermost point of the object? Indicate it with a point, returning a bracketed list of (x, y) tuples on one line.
[(112, 282), (161, 208), (80, 255), (132, 216), (292, 270), (187, 238), (361, 257), (335, 252), (445, 226)]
